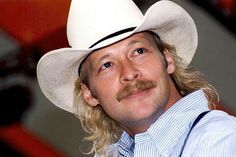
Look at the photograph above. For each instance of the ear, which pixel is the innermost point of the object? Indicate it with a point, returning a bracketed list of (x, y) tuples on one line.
[(170, 62), (88, 96)]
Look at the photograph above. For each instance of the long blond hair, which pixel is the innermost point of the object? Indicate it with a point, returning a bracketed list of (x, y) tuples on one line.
[(104, 131)]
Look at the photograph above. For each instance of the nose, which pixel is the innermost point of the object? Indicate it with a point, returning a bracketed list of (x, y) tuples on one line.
[(129, 72)]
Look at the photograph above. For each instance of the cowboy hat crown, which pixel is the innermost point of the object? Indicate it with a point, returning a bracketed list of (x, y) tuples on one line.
[(91, 20)]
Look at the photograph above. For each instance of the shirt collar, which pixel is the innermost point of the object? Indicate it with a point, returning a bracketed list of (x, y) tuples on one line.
[(171, 125), (126, 144)]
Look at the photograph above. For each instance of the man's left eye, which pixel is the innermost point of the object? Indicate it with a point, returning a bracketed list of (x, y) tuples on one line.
[(140, 50)]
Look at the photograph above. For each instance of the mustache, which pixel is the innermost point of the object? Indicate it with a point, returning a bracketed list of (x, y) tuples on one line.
[(139, 85)]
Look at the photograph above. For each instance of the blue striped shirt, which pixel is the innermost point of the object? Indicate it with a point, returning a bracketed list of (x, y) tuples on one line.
[(213, 136)]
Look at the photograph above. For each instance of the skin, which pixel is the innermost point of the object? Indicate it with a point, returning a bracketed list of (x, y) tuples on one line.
[(111, 69)]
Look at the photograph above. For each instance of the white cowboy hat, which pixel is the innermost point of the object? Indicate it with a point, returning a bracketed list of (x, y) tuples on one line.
[(93, 24)]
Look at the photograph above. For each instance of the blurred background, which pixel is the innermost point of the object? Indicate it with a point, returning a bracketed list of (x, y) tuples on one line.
[(31, 126)]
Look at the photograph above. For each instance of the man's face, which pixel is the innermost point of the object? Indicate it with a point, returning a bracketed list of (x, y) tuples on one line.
[(130, 81)]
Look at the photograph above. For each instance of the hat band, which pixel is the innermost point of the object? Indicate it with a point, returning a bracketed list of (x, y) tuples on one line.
[(113, 34)]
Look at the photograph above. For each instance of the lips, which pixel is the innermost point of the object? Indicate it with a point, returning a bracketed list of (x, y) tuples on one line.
[(136, 93)]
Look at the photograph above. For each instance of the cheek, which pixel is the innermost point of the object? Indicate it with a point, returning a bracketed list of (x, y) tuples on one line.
[(155, 70), (106, 90), (154, 62)]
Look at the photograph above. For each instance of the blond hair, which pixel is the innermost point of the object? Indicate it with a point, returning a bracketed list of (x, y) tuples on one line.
[(104, 131)]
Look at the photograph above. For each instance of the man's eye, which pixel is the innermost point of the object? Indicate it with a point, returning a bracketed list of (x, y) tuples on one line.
[(106, 65), (140, 50)]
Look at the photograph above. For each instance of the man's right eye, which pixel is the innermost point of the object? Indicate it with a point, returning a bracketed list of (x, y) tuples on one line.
[(106, 65)]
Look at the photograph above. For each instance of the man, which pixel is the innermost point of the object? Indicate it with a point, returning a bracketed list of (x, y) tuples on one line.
[(127, 79)]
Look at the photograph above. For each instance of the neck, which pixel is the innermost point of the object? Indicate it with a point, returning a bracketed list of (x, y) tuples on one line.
[(142, 126)]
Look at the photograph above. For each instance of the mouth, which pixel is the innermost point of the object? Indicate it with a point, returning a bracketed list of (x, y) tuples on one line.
[(137, 93)]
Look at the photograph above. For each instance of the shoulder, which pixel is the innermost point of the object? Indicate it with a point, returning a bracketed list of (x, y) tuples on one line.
[(216, 121), (215, 134)]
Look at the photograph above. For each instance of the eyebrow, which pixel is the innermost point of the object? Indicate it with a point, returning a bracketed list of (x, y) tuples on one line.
[(132, 42), (108, 55), (102, 58), (135, 41)]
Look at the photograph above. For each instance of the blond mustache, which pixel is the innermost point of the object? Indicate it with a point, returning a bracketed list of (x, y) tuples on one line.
[(140, 85)]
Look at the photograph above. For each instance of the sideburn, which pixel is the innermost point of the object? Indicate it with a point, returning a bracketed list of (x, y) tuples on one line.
[(84, 79)]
